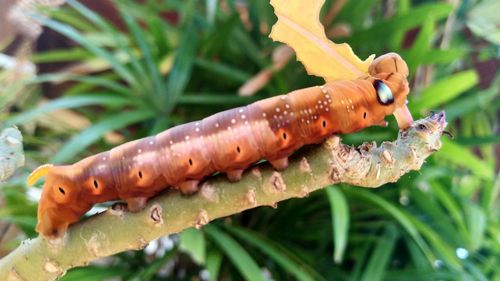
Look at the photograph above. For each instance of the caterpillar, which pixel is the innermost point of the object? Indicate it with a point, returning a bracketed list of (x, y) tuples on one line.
[(227, 142)]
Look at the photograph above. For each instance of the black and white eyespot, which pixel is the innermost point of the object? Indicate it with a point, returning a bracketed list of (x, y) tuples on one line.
[(384, 93)]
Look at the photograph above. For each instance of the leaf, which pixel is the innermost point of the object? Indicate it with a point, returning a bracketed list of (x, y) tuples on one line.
[(90, 135), (380, 258), (236, 253), (214, 262), (273, 250), (445, 90), (298, 26), (484, 21), (68, 102), (340, 221), (462, 156), (11, 152), (193, 243)]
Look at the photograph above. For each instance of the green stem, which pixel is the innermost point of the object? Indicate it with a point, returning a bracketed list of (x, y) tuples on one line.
[(310, 169)]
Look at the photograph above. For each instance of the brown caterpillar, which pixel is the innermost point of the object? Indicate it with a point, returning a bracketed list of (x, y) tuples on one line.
[(228, 142)]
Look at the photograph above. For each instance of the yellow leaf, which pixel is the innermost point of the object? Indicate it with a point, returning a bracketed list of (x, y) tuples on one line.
[(299, 27)]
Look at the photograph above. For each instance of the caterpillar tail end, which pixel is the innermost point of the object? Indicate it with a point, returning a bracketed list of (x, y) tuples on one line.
[(38, 173), (403, 117)]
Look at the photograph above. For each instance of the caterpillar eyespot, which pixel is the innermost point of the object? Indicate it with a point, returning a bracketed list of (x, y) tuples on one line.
[(384, 93), (227, 142)]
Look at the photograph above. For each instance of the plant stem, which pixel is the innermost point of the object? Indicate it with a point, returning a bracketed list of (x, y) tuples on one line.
[(312, 168)]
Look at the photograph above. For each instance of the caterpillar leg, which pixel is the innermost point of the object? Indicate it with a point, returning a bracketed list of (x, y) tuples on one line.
[(280, 164), (189, 187), (136, 204), (234, 175)]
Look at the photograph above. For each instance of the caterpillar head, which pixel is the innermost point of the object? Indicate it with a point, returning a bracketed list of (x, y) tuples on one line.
[(392, 85), (59, 205)]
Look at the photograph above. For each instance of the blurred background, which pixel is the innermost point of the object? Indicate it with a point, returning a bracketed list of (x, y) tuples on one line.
[(80, 77)]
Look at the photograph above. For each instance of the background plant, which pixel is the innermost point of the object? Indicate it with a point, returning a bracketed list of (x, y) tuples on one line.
[(162, 63)]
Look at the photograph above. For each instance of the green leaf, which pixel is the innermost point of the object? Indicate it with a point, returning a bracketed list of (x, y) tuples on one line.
[(379, 259), (76, 36), (340, 221), (154, 73), (399, 23), (66, 103), (193, 243), (483, 20), (240, 258), (274, 251), (93, 273), (402, 217), (90, 135), (181, 69), (102, 81), (445, 90), (476, 221), (61, 55), (214, 261), (478, 100), (462, 156)]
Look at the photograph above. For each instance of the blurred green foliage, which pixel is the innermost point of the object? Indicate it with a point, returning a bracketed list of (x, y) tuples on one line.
[(176, 61)]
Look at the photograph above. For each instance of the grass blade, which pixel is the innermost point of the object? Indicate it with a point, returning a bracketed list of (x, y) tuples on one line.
[(274, 251), (445, 90), (193, 243), (340, 221), (240, 258), (69, 102), (462, 156), (379, 259), (81, 141)]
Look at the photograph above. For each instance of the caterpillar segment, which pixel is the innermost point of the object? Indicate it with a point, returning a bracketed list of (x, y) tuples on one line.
[(227, 142)]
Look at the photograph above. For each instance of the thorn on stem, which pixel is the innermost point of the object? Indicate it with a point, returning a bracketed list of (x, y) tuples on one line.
[(250, 197), (304, 165), (202, 219)]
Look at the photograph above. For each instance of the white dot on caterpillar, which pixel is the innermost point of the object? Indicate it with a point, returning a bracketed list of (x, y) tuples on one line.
[(352, 106), (197, 124), (241, 110), (283, 97), (287, 105), (103, 158), (327, 96), (264, 114), (197, 129), (171, 142), (233, 121), (139, 150), (285, 112), (151, 142), (243, 116), (323, 91), (277, 109), (216, 125), (186, 138)]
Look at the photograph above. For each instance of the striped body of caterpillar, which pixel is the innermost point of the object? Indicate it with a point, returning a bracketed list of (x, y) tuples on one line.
[(227, 142)]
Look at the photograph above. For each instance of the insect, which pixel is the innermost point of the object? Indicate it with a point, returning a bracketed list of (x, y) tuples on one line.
[(227, 142)]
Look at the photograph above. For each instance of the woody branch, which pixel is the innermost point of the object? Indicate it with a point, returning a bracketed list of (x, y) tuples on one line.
[(310, 169)]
